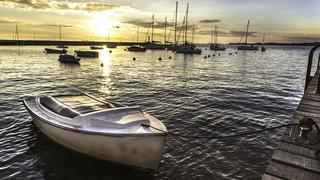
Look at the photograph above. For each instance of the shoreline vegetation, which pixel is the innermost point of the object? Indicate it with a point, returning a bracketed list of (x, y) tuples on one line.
[(90, 43)]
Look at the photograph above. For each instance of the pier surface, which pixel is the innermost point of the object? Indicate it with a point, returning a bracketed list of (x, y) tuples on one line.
[(296, 156)]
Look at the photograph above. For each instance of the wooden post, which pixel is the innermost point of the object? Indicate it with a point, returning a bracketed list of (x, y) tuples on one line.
[(309, 66)]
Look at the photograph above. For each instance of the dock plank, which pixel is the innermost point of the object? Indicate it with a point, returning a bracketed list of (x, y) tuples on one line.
[(295, 156)]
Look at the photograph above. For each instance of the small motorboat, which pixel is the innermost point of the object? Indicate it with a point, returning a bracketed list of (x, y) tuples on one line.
[(96, 47), (104, 130), (263, 48), (89, 54), (216, 47), (136, 49), (62, 46), (112, 45), (67, 58), (55, 51)]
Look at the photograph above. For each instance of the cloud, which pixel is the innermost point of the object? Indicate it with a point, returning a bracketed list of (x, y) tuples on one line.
[(65, 5), (240, 33), (210, 21), (304, 38), (146, 24)]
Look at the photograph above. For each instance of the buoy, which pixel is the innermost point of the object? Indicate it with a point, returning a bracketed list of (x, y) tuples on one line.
[(101, 64), (209, 56), (213, 55), (205, 49), (125, 49), (236, 52), (219, 54), (110, 51), (160, 58), (169, 57), (205, 57), (133, 58), (230, 53)]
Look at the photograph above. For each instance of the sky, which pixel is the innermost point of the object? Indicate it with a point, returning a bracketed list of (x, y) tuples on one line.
[(120, 20)]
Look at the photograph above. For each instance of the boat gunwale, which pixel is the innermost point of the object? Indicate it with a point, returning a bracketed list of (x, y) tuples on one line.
[(84, 131)]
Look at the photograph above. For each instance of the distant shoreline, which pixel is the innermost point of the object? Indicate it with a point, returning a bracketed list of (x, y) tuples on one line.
[(91, 43)]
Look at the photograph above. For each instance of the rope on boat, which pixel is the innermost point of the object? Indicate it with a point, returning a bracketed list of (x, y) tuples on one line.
[(224, 136)]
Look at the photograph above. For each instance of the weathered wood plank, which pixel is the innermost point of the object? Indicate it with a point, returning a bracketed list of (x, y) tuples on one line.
[(288, 172), (297, 161), (298, 150), (269, 177)]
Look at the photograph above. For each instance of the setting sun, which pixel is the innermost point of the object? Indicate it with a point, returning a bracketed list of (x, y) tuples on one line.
[(102, 24)]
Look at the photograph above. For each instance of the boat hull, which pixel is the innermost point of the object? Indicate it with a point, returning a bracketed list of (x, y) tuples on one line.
[(248, 48), (138, 151)]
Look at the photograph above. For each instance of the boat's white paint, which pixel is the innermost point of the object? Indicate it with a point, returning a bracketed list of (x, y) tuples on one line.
[(136, 146)]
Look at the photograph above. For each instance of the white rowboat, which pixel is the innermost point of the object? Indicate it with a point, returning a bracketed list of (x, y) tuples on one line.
[(104, 130)]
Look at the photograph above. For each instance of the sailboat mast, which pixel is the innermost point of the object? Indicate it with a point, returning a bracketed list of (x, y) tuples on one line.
[(186, 29), (17, 32), (165, 29), (216, 34), (175, 24), (264, 33), (247, 31), (137, 33), (152, 27), (60, 32), (192, 33)]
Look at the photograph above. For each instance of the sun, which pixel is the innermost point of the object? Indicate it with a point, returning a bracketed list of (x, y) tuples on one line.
[(101, 25)]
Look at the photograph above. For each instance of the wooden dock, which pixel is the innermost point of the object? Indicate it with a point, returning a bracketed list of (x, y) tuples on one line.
[(298, 155)]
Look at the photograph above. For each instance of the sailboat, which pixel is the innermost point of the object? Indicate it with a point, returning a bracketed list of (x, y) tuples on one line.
[(188, 48), (245, 46), (262, 47), (135, 47), (216, 46), (61, 45), (175, 45), (153, 44)]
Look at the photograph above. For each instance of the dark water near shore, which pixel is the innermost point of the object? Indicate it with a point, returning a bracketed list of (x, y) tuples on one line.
[(192, 95)]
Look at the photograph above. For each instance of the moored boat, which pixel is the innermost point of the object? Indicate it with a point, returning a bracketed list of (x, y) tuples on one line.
[(216, 47), (189, 50), (136, 49), (112, 45), (62, 46), (67, 58), (104, 130), (245, 46), (88, 54), (96, 47), (55, 51)]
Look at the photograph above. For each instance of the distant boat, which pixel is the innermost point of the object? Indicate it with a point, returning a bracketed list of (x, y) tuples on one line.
[(67, 58), (55, 51), (112, 45), (216, 46), (245, 46), (153, 45), (96, 47), (88, 54), (136, 49), (262, 47), (104, 130), (62, 46), (174, 46), (188, 48)]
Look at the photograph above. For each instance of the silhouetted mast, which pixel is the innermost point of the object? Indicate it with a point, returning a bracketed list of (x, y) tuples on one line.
[(247, 31), (175, 24), (186, 29), (60, 32), (165, 29), (216, 34), (152, 27), (17, 32)]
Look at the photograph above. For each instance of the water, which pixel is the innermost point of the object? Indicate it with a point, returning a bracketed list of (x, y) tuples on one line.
[(192, 95)]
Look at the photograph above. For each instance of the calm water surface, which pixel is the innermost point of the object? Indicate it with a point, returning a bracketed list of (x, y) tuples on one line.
[(192, 95)]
